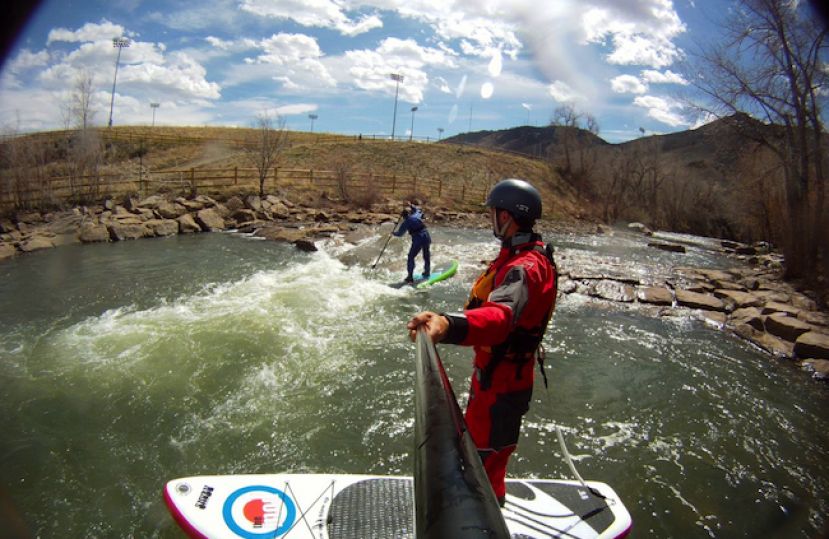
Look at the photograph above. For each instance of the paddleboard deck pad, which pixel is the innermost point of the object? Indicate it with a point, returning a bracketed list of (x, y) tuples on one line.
[(436, 276), (321, 506)]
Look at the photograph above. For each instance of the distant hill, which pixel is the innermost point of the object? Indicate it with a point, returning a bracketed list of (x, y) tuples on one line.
[(666, 175), (531, 141)]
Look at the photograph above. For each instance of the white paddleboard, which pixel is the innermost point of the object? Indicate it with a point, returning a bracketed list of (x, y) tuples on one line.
[(319, 506)]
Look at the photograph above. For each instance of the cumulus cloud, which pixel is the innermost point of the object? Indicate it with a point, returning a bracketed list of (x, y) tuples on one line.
[(86, 33), (562, 92), (628, 84), (313, 13), (666, 77), (370, 69), (662, 109)]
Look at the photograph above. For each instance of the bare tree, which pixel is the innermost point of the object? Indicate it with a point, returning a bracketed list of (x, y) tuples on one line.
[(772, 66), (573, 155), (81, 101), (264, 148)]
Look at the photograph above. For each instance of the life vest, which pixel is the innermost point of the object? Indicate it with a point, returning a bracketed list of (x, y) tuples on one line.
[(522, 344)]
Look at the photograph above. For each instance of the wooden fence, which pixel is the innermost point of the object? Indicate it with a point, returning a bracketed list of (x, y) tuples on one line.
[(337, 185)]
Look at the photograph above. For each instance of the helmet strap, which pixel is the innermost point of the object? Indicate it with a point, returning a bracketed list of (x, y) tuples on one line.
[(497, 231)]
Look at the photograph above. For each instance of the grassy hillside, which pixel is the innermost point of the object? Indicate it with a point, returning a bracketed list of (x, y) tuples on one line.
[(129, 149)]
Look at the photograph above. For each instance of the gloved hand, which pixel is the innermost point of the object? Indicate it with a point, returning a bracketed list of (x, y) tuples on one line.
[(404, 213)]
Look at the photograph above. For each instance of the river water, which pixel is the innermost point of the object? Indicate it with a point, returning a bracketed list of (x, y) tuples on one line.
[(125, 365)]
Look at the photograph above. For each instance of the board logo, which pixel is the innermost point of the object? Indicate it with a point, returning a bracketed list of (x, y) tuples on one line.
[(206, 493), (259, 511)]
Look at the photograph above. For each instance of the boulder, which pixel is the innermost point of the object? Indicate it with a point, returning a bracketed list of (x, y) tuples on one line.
[(7, 226), (209, 220), (818, 367), (91, 233), (253, 202), (121, 231), (774, 307), (169, 210), (36, 243), (750, 316), (771, 344), (7, 250), (611, 290), (234, 203), (695, 300), (657, 295), (162, 227), (305, 245), (187, 225), (29, 218), (152, 202), (786, 327), (639, 227), (812, 345), (740, 299)]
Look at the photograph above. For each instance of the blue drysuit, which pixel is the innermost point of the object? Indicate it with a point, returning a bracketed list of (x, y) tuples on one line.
[(413, 224)]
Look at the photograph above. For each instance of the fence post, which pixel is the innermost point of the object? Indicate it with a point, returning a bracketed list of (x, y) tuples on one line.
[(414, 183), (393, 183), (235, 175), (311, 176), (193, 180), (275, 176)]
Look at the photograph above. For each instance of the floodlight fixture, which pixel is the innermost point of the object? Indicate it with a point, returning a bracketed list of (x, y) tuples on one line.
[(312, 117), (154, 106)]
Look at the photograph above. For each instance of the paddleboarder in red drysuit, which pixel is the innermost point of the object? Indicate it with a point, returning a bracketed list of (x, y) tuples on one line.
[(504, 320)]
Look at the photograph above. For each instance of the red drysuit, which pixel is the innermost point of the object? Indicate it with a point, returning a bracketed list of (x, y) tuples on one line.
[(504, 320)]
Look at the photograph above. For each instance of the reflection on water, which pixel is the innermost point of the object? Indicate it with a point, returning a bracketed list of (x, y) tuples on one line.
[(124, 365)]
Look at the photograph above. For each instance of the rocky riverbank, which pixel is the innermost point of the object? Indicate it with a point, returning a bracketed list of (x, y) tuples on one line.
[(749, 300)]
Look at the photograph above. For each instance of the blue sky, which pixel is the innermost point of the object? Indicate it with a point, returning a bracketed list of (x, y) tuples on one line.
[(467, 64)]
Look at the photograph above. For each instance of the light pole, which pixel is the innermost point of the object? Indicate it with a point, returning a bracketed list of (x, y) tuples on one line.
[(154, 106), (440, 132), (411, 132), (119, 43), (395, 77), (312, 117)]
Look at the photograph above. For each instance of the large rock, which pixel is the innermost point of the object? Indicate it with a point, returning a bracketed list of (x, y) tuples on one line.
[(209, 220), (169, 210), (121, 231), (786, 327), (775, 346), (657, 295), (187, 225), (740, 299), (818, 367), (611, 290), (670, 247), (695, 300), (750, 316), (774, 307), (7, 251), (91, 233), (812, 345), (36, 243), (162, 227)]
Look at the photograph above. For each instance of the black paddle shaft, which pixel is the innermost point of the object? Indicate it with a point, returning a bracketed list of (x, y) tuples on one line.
[(387, 243)]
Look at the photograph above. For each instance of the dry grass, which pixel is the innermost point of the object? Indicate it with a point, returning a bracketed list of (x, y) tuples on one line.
[(182, 148)]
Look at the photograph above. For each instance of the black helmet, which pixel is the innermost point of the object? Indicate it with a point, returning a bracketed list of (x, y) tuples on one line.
[(518, 197)]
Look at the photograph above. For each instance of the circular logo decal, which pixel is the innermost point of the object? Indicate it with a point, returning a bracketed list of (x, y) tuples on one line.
[(258, 511)]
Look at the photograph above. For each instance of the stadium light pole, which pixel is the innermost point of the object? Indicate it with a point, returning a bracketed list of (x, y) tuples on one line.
[(312, 117), (154, 106), (395, 77), (119, 43), (440, 132), (411, 132)]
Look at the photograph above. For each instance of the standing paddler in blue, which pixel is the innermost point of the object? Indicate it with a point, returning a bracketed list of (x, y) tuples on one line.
[(413, 224)]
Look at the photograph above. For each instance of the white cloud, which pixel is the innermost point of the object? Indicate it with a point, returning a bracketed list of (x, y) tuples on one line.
[(667, 77), (313, 13), (562, 92), (662, 109), (105, 30), (628, 84), (235, 45), (370, 70)]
